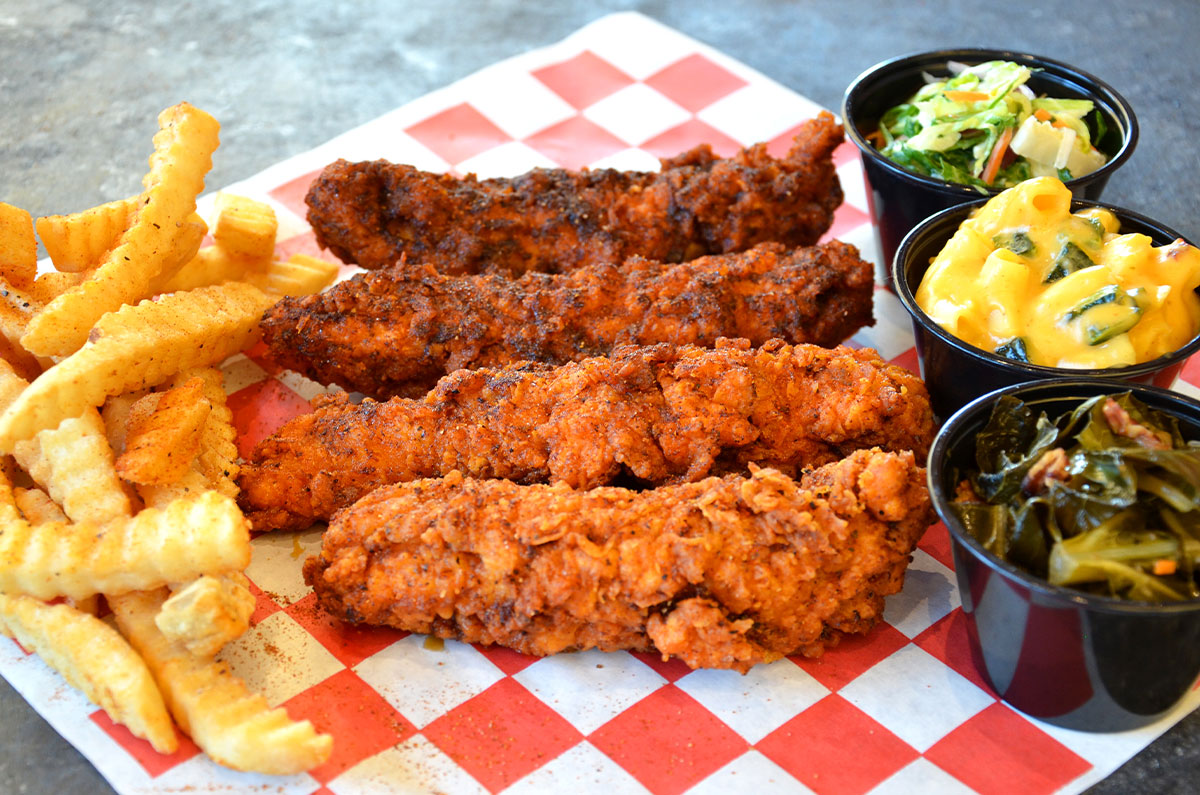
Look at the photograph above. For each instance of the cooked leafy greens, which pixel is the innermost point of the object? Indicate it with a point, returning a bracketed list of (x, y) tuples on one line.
[(1104, 499)]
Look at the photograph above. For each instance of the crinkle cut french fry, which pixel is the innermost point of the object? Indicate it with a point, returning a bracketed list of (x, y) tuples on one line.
[(184, 250), (235, 727), (182, 156), (74, 463), (116, 415), (202, 534), (212, 265), (245, 227), (136, 347), (18, 246), (37, 507), (299, 275), (52, 284), (77, 242), (207, 613), (96, 660), (160, 448)]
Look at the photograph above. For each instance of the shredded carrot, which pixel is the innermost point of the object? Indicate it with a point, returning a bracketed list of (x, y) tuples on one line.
[(876, 138), (1165, 567), (1041, 114), (967, 96), (993, 164), (1059, 124)]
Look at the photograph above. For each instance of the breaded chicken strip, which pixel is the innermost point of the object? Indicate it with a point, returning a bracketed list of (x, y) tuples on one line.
[(397, 331), (722, 573), (660, 414), (552, 220)]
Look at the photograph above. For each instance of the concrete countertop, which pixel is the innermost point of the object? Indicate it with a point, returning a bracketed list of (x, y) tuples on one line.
[(81, 84)]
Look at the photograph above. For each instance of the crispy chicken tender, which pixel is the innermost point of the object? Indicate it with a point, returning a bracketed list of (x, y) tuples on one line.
[(721, 573), (658, 414), (554, 220), (397, 331)]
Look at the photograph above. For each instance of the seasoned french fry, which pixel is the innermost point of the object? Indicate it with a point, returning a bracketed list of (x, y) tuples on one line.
[(182, 156), (299, 275), (19, 359), (116, 415), (207, 613), (234, 726), (160, 448), (183, 250), (37, 507), (204, 534), (95, 659), (17, 308), (245, 227), (52, 284), (136, 347), (211, 265), (18, 246), (78, 241)]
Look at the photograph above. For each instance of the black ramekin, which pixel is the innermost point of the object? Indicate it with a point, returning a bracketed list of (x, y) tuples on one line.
[(956, 372), (1072, 659), (899, 199)]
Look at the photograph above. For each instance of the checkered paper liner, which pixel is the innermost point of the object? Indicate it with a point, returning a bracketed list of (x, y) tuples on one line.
[(900, 710)]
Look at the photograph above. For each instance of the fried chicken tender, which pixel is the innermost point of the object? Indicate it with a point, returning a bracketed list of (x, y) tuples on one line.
[(721, 573), (552, 220), (397, 331), (659, 414)]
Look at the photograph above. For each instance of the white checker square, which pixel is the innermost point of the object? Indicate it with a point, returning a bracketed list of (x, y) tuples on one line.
[(279, 658), (930, 593), (506, 160), (636, 113), (582, 770), (631, 159), (415, 765), (758, 112), (241, 372), (916, 696), (302, 386), (590, 688), (854, 188), (201, 774), (637, 45), (515, 101), (1186, 388), (892, 333), (277, 560), (863, 238), (750, 772), (924, 777), (423, 684), (758, 703)]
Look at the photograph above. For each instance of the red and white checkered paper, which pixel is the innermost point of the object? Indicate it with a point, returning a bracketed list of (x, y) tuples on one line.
[(900, 710)]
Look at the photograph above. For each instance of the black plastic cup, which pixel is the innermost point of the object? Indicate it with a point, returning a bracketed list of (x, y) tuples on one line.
[(1071, 659), (956, 372), (899, 199)]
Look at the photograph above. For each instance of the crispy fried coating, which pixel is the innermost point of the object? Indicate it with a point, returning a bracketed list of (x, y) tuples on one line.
[(554, 220), (659, 414), (721, 573), (397, 331)]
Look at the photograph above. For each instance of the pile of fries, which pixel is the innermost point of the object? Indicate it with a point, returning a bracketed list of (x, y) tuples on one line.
[(119, 463)]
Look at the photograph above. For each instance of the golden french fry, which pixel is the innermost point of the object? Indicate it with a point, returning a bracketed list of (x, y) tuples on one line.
[(183, 250), (203, 534), (136, 347), (211, 265), (116, 415), (19, 359), (78, 241), (299, 275), (160, 448), (207, 613), (96, 660), (52, 284), (37, 507), (245, 227), (18, 246), (17, 308), (182, 156), (235, 727)]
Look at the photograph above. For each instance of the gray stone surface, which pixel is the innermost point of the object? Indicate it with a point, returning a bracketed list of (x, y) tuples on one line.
[(81, 83)]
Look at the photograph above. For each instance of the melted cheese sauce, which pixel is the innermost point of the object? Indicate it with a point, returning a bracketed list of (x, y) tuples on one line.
[(1026, 278)]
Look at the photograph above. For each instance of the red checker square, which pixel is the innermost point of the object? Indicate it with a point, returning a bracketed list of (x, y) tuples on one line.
[(303, 243), (349, 643), (507, 660), (291, 194), (846, 152), (846, 218), (502, 734), (261, 409), (672, 669), (998, 751), (668, 741), (1166, 376), (908, 360), (947, 640), (154, 763), (363, 722), (692, 132), (936, 544), (834, 748), (264, 605), (583, 80), (1191, 371), (260, 354), (575, 143), (842, 664), (694, 82), (458, 133)]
